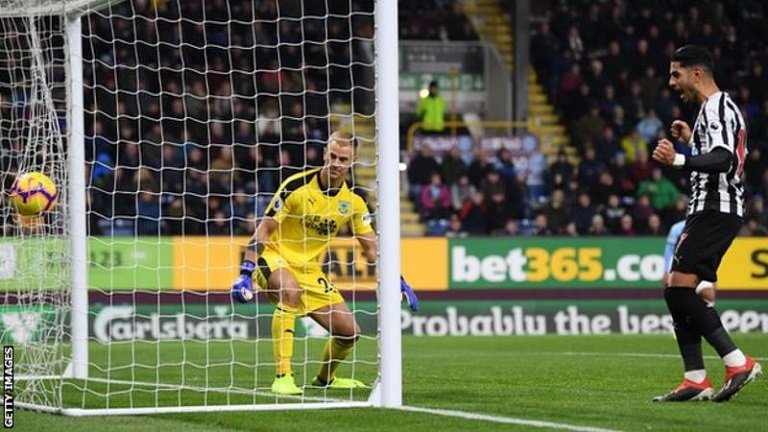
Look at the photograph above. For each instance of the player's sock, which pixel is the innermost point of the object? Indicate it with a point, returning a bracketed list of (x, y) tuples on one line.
[(688, 339), (735, 358), (336, 350), (283, 326), (701, 318), (697, 376)]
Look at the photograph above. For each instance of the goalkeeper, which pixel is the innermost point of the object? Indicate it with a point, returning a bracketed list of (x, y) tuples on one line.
[(306, 213)]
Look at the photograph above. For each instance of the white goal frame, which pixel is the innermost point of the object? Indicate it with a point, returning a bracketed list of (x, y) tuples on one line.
[(387, 391)]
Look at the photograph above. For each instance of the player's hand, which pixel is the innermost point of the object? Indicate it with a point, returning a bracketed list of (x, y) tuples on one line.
[(409, 294), (242, 288), (680, 131), (664, 153)]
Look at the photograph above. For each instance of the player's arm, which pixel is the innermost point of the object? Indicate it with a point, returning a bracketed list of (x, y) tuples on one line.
[(370, 246), (242, 288), (669, 250), (260, 238), (362, 227), (717, 161), (370, 249), (722, 139), (681, 131), (276, 212)]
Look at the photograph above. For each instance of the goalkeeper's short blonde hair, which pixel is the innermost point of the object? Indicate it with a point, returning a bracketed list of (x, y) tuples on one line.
[(344, 139)]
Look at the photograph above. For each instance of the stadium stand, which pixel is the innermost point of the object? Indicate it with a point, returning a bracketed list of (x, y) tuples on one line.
[(606, 56), (614, 60)]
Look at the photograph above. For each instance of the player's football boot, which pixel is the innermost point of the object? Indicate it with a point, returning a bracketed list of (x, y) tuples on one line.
[(285, 385), (339, 383), (736, 378), (688, 391)]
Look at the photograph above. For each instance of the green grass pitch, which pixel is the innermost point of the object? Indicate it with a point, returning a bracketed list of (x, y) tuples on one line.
[(587, 381)]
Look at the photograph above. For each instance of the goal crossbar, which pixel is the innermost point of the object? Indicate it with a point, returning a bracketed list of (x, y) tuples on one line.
[(74, 8)]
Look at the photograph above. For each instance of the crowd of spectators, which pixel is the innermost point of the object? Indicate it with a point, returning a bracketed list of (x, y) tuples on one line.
[(605, 67), (198, 110), (195, 112), (443, 20), (614, 59), (482, 195)]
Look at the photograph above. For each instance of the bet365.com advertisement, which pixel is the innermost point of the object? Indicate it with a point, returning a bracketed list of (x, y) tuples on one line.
[(429, 264)]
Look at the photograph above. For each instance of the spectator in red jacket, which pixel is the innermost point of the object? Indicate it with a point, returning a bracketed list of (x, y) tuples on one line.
[(435, 199)]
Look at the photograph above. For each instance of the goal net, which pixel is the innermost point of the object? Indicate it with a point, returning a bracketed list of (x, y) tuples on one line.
[(168, 126), (34, 259)]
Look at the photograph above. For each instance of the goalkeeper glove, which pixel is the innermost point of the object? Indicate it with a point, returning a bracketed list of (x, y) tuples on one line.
[(242, 288), (409, 294)]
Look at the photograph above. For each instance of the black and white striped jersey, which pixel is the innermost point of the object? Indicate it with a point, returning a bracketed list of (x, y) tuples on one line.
[(719, 124)]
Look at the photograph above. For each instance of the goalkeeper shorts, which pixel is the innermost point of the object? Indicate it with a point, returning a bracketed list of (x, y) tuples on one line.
[(318, 291)]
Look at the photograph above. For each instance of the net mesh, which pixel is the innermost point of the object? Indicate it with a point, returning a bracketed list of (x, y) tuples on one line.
[(195, 112), (35, 276)]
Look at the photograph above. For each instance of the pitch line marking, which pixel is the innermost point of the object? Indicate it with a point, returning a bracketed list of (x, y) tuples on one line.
[(504, 420), (652, 355)]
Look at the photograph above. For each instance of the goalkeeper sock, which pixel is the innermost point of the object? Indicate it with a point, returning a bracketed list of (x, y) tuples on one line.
[(283, 325), (336, 350)]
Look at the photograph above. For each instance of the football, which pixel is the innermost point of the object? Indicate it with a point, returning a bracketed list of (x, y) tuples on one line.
[(33, 193)]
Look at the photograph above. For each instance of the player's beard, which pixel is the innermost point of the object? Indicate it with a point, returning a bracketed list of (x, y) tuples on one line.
[(688, 95)]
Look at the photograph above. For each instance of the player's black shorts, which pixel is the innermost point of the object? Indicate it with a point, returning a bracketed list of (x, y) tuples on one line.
[(704, 241)]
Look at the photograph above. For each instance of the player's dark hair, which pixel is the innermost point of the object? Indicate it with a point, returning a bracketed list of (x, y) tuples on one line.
[(694, 55)]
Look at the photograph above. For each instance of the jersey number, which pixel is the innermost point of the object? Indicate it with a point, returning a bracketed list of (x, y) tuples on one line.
[(327, 286), (740, 150)]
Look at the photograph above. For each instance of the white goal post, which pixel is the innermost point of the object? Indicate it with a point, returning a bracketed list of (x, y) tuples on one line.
[(106, 300)]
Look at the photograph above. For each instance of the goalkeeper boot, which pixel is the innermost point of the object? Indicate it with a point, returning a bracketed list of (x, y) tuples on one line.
[(339, 383), (688, 391), (736, 378), (285, 385)]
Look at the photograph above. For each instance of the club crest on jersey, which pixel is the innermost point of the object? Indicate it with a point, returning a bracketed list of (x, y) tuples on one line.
[(343, 207)]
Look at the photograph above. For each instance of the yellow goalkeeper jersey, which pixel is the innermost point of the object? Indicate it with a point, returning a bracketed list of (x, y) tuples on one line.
[(309, 217)]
